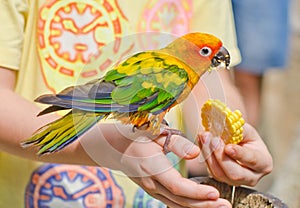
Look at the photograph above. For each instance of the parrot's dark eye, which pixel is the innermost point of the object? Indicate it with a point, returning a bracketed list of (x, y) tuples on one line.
[(205, 51)]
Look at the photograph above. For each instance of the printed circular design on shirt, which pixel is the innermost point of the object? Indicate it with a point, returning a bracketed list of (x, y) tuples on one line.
[(142, 199), (165, 16), (73, 186), (72, 35)]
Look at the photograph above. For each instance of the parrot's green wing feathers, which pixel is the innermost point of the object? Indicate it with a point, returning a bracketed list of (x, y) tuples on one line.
[(144, 82), (149, 81)]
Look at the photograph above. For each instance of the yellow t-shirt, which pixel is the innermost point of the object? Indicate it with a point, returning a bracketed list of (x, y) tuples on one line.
[(55, 44)]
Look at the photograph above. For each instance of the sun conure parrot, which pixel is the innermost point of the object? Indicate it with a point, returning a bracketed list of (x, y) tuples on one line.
[(138, 91)]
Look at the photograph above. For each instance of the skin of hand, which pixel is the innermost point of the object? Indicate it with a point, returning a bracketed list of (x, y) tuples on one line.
[(237, 164), (145, 163), (244, 163), (149, 167)]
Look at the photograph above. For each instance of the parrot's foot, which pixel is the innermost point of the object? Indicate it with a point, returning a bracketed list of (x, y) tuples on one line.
[(169, 132), (146, 124), (163, 130)]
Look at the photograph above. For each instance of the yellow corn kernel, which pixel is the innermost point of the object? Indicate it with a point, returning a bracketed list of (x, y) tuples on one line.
[(221, 121)]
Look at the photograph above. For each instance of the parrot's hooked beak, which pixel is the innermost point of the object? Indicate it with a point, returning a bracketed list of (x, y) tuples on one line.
[(222, 56)]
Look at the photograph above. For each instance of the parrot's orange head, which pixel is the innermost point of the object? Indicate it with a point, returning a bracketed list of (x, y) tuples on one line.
[(209, 46), (201, 49)]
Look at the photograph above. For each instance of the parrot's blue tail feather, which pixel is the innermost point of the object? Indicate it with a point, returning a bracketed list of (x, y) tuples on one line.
[(60, 133)]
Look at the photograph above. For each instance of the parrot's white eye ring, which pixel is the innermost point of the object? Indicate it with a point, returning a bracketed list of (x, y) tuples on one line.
[(205, 51)]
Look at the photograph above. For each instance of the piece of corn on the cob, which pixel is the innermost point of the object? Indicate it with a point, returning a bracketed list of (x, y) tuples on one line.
[(218, 119)]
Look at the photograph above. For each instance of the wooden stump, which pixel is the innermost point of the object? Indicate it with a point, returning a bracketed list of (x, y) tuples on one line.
[(244, 197)]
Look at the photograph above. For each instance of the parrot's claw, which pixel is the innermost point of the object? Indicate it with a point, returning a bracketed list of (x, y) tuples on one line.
[(165, 122), (147, 124), (169, 132)]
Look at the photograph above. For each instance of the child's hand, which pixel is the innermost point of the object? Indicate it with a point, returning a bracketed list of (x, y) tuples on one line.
[(236, 164)]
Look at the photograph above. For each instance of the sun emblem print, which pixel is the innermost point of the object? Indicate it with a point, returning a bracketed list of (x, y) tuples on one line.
[(77, 40), (165, 16), (54, 185)]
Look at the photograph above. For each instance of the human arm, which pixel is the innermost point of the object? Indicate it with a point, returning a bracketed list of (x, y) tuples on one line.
[(19, 121), (113, 150)]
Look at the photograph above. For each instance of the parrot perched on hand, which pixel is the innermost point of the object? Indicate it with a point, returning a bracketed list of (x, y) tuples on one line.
[(139, 91)]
